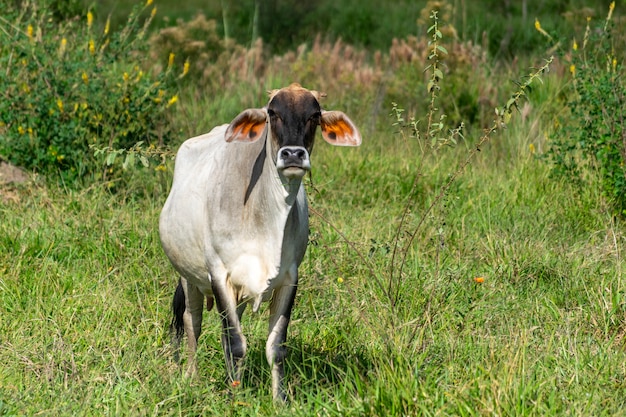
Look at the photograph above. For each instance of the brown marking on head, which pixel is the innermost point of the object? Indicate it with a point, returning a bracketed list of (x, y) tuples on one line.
[(294, 114), (296, 89)]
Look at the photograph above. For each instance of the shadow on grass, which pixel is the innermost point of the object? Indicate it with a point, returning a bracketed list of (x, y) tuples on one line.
[(311, 369)]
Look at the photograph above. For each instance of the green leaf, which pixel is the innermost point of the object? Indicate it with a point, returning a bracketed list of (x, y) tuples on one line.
[(111, 158), (510, 103), (129, 161)]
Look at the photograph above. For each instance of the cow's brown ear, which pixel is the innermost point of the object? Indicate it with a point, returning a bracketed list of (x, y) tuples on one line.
[(338, 129), (248, 126)]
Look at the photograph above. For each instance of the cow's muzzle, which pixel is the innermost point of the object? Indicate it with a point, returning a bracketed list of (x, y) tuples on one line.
[(293, 161)]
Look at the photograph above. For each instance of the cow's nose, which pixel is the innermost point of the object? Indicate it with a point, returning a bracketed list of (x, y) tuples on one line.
[(293, 157), (296, 153)]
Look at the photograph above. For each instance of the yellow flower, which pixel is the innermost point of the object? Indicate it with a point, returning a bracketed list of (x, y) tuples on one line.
[(89, 19), (531, 147), (153, 12), (148, 2), (572, 69), (60, 105), (185, 68), (85, 78), (29, 32), (170, 60), (107, 25), (161, 168), (172, 101), (479, 280), (575, 45), (62, 47), (125, 77), (92, 47), (339, 280), (541, 30), (612, 6), (20, 130), (614, 64)]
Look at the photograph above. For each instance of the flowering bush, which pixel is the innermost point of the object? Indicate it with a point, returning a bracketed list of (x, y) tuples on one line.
[(593, 136), (74, 99)]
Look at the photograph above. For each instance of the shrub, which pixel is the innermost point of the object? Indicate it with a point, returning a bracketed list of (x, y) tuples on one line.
[(214, 63), (73, 98), (592, 137)]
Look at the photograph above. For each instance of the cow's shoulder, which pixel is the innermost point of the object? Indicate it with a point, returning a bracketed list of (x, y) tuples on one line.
[(205, 142)]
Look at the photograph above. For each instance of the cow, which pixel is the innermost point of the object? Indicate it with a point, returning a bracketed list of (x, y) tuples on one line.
[(235, 224)]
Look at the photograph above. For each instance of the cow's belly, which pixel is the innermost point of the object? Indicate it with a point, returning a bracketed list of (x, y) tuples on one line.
[(253, 275)]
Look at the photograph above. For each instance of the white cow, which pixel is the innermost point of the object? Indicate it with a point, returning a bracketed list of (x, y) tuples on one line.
[(235, 224)]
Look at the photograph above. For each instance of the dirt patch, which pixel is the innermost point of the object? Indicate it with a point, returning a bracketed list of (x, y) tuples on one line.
[(10, 176)]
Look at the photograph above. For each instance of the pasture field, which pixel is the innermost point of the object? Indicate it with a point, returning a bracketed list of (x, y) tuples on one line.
[(86, 290), (506, 298)]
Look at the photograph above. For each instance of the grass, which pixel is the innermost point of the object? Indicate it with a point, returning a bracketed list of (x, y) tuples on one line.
[(86, 292), (510, 301)]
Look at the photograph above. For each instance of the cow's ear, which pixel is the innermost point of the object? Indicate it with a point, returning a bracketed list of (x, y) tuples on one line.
[(248, 126), (338, 129)]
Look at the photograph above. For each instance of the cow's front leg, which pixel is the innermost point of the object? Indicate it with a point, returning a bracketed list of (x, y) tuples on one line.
[(233, 340), (275, 349)]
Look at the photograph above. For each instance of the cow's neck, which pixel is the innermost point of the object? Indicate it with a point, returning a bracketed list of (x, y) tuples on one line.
[(283, 188), (269, 195)]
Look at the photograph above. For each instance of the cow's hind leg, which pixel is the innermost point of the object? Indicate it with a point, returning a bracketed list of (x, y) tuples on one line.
[(275, 349), (188, 304), (177, 326)]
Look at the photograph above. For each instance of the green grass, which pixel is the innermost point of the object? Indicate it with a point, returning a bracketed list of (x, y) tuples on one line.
[(377, 330), (86, 289)]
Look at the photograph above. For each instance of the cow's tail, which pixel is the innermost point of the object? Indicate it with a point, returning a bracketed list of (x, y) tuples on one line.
[(177, 327)]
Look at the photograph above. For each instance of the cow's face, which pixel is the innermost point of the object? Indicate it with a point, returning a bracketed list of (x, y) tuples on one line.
[(289, 122), (294, 114)]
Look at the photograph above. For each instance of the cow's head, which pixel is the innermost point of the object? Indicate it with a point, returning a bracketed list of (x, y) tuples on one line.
[(290, 119)]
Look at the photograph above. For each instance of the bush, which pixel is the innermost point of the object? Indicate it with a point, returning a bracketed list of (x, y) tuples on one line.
[(74, 100), (592, 138)]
